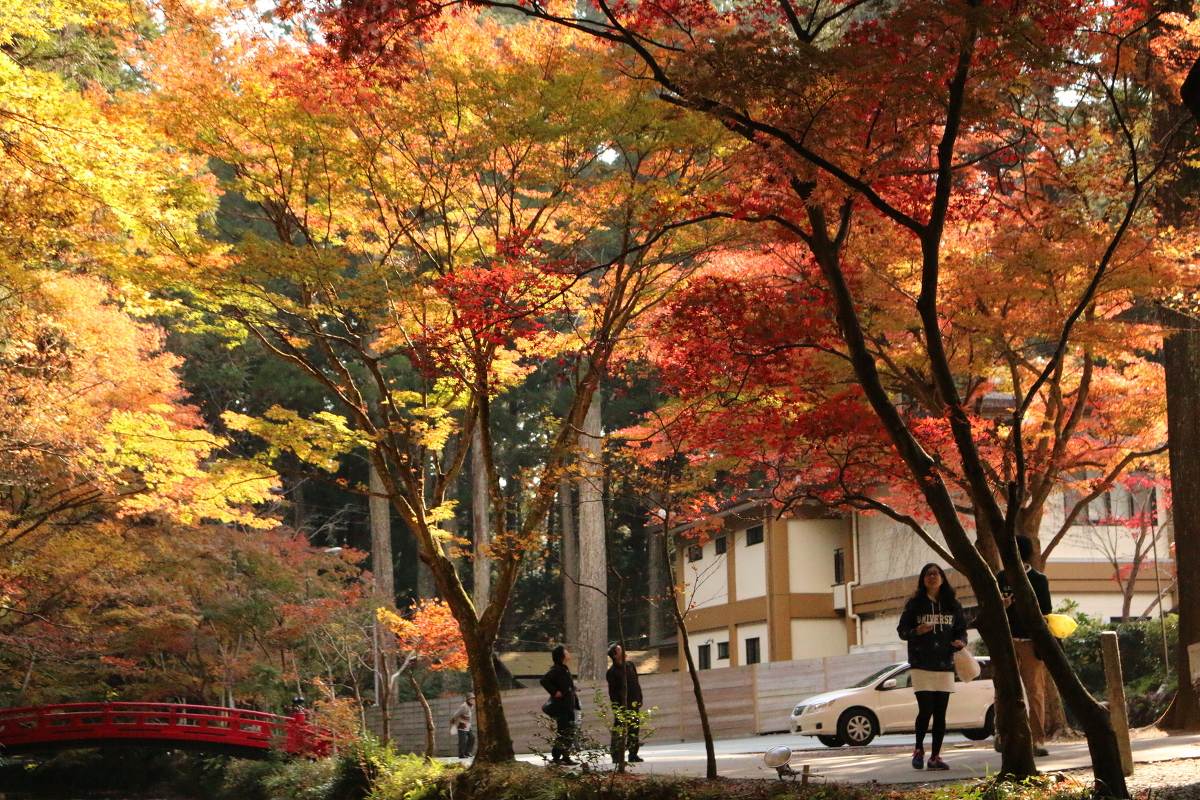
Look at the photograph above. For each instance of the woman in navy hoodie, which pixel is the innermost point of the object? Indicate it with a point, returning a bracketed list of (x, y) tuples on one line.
[(934, 627)]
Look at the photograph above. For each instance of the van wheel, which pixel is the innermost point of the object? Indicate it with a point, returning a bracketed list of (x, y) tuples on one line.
[(830, 741), (857, 727), (989, 727)]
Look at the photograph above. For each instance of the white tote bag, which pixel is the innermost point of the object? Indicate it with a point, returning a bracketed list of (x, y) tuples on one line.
[(965, 665)]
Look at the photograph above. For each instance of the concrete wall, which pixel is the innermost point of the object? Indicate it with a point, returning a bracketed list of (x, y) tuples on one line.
[(741, 701)]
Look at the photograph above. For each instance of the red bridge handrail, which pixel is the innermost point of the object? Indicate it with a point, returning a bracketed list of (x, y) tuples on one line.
[(75, 722)]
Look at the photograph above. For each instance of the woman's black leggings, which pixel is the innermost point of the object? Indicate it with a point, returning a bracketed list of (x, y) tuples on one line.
[(932, 704)]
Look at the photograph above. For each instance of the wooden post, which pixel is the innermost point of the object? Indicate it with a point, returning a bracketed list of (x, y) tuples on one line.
[(1116, 697)]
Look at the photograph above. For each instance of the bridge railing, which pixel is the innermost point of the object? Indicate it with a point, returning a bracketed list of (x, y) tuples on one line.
[(82, 721)]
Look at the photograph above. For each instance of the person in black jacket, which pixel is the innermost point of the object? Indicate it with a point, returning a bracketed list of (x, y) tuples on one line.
[(1028, 663), (934, 627), (563, 704), (625, 694)]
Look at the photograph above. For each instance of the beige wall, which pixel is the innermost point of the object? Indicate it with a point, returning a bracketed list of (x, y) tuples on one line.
[(707, 579), (813, 542), (818, 638), (750, 566), (889, 550)]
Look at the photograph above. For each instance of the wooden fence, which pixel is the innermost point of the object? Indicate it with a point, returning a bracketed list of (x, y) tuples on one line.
[(741, 701)]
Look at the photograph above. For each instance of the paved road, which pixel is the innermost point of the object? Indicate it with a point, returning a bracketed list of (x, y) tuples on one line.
[(884, 761)]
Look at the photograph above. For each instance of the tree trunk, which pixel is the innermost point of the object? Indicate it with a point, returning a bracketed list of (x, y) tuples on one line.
[(1181, 351), (381, 540), (385, 595), (679, 615), (1012, 722), (985, 542), (494, 743), (592, 634), (710, 753), (1097, 726), (1055, 718), (656, 585), (570, 562), (430, 747), (481, 525)]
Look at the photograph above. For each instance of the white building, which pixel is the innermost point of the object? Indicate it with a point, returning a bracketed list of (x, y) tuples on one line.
[(761, 589)]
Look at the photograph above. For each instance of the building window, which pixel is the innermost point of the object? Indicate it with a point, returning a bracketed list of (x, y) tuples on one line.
[(722, 650), (754, 535), (753, 655), (704, 653), (719, 545), (695, 552), (839, 567)]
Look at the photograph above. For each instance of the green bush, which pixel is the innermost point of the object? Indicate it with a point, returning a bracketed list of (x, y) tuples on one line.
[(1036, 788), (1149, 681), (247, 780), (364, 770), (408, 777)]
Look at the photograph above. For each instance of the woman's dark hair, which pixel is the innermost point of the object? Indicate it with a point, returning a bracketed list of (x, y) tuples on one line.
[(945, 594), (559, 653)]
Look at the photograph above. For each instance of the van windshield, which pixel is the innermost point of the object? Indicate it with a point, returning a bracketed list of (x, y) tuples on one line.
[(874, 676)]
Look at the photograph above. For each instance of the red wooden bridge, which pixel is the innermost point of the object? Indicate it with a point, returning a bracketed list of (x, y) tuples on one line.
[(233, 731)]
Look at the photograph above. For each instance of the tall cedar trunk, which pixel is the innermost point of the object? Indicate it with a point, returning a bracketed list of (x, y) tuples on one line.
[(657, 585), (385, 594), (592, 635), (1181, 351), (300, 509), (570, 561), (480, 525), (426, 585), (427, 711)]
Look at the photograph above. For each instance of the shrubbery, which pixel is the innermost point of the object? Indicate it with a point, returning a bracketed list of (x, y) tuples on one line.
[(1149, 681), (366, 771)]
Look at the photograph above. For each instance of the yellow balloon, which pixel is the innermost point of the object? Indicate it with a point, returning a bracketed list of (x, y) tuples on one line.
[(1061, 626)]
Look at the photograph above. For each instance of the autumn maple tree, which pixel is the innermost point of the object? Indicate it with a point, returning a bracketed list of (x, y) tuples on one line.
[(911, 127), (96, 434), (422, 239), (427, 638)]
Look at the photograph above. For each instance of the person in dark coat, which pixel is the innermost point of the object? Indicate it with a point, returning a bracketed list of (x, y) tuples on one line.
[(564, 702), (1028, 663), (934, 626), (625, 694)]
